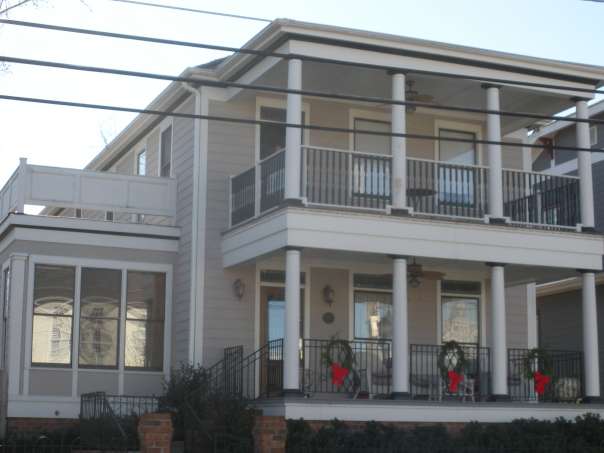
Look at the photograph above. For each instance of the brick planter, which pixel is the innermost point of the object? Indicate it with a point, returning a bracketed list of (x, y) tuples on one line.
[(270, 434), (155, 433)]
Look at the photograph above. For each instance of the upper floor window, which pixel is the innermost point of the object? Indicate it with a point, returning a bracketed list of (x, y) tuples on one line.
[(141, 163), (54, 288), (165, 168), (272, 136), (371, 143), (593, 135)]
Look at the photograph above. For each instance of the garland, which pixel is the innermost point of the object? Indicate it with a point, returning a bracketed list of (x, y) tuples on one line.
[(537, 365), (340, 362), (452, 363)]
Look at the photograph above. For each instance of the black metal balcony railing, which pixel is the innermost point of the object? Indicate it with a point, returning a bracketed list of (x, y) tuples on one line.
[(427, 380), (369, 372), (564, 370), (243, 193)]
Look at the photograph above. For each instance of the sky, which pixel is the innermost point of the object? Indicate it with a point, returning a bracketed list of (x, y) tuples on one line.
[(568, 30)]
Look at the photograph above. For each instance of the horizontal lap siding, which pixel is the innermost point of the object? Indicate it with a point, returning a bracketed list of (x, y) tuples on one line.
[(516, 316), (182, 168), (227, 320)]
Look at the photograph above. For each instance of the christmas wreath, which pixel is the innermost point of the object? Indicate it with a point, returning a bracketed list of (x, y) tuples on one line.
[(452, 363), (537, 365), (337, 355)]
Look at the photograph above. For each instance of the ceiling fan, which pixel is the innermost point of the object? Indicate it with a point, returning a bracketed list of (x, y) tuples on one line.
[(415, 272), (415, 96)]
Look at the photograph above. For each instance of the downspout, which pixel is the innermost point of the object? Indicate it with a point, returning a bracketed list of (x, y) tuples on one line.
[(197, 279)]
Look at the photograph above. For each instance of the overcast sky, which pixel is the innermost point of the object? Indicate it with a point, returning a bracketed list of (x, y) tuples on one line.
[(569, 30)]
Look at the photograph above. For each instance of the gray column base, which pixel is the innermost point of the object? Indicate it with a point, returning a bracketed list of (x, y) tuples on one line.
[(496, 398), (497, 221), (592, 400), (293, 202), (400, 395), (400, 212), (292, 393)]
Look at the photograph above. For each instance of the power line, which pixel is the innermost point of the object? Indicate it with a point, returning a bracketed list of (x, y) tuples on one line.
[(284, 124), (7, 9), (319, 94), (262, 53), (193, 10)]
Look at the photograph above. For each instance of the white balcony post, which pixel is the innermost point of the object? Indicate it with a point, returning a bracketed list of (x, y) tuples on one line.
[(584, 166), (293, 135), (291, 357), (399, 147), (498, 322), (400, 329), (590, 338), (494, 153)]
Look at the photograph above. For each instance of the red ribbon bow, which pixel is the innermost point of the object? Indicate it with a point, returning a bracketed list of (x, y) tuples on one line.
[(338, 374), (454, 380), (541, 380)]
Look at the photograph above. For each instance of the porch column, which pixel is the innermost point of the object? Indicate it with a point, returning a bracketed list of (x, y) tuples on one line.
[(590, 339), (293, 135), (398, 148), (400, 329), (584, 166), (18, 282), (498, 321), (291, 360), (494, 152)]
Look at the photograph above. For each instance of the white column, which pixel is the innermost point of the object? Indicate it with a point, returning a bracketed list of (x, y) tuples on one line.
[(400, 330), (532, 340), (590, 338), (291, 357), (399, 146), (293, 135), (494, 153), (18, 282), (584, 166), (498, 322)]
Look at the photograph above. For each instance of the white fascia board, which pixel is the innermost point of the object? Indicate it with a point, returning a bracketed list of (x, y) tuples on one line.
[(88, 233), (382, 234), (372, 57), (432, 412)]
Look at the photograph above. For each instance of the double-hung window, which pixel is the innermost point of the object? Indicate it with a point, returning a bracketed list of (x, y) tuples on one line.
[(141, 163), (370, 173), (460, 311), (456, 176), (372, 306)]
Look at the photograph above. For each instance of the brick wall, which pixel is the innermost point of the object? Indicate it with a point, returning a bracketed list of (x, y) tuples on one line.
[(155, 433), (270, 434)]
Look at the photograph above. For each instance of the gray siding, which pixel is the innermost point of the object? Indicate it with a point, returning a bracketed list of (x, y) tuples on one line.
[(227, 320), (561, 325), (516, 316)]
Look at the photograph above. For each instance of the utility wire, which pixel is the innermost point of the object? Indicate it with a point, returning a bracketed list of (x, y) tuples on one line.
[(319, 94), (5, 10), (262, 53), (247, 121), (193, 10)]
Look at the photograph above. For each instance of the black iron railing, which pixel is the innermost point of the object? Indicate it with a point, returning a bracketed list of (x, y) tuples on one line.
[(272, 181), (564, 371), (368, 371), (539, 198), (108, 421), (429, 379), (243, 196)]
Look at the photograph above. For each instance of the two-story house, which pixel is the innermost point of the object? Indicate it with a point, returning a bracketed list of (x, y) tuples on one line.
[(332, 244)]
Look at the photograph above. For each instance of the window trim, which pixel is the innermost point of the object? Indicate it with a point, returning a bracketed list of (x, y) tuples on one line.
[(165, 124), (460, 127), (593, 135), (137, 154), (279, 104), (354, 312), (368, 115), (482, 324), (124, 266)]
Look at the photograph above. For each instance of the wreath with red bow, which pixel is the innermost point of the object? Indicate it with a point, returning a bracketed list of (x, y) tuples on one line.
[(452, 363), (537, 365), (338, 357)]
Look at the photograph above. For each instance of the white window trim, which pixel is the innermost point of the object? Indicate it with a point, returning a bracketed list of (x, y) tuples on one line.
[(280, 104), (362, 114), (481, 309), (461, 127), (165, 124), (593, 135), (141, 150), (78, 263)]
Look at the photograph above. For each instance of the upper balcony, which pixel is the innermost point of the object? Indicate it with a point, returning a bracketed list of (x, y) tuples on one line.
[(92, 195), (353, 180)]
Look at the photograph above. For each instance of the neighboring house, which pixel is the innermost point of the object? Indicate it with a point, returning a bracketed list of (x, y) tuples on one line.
[(559, 303), (185, 237)]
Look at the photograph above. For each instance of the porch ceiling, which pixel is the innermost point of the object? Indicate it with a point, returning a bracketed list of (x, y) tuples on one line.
[(333, 78)]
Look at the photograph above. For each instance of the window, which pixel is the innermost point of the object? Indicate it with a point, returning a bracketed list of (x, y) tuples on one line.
[(78, 213), (99, 317), (109, 216), (272, 136), (456, 184), (372, 315), (166, 153), (593, 135), (52, 315), (141, 163), (377, 144), (371, 176), (145, 306), (460, 311)]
